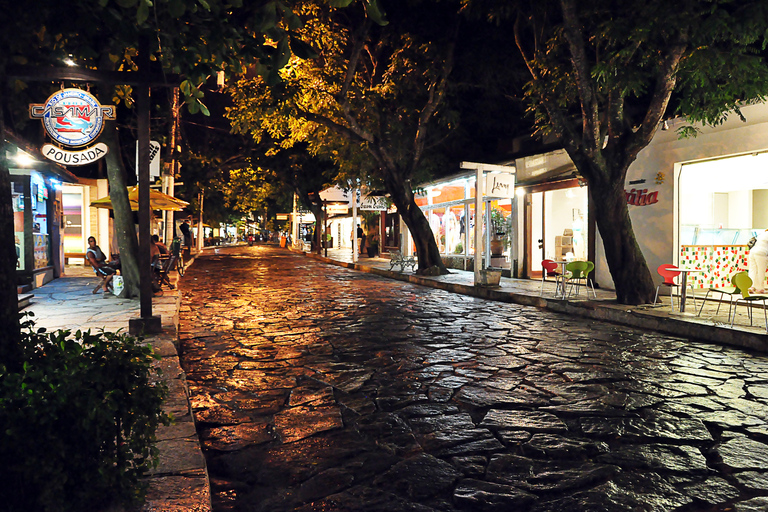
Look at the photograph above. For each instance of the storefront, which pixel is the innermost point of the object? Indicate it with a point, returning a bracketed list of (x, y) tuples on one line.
[(449, 206), (37, 215)]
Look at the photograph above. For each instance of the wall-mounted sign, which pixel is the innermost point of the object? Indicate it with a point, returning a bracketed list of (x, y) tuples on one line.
[(641, 197), (83, 157), (73, 118)]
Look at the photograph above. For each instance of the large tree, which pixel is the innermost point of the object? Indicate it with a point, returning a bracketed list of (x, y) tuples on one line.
[(373, 99), (605, 73)]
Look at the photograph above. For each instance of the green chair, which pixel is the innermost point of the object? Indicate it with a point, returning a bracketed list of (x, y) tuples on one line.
[(729, 291), (578, 271), (743, 282)]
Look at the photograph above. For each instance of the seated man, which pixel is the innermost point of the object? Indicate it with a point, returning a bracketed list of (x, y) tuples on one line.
[(160, 245), (98, 261)]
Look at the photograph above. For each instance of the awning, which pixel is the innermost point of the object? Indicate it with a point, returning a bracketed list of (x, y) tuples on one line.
[(157, 201)]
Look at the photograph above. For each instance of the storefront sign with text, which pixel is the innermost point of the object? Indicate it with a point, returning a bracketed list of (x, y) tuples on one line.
[(73, 118), (641, 197)]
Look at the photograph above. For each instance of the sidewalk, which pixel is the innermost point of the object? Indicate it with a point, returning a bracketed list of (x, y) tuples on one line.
[(180, 482), (711, 325)]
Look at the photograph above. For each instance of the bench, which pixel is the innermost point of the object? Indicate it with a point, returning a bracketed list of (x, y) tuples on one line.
[(396, 258)]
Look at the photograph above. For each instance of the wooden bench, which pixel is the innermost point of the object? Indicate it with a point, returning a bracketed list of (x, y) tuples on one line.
[(396, 258)]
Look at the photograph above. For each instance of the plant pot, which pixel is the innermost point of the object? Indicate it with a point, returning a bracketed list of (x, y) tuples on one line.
[(490, 277), (372, 251), (497, 247)]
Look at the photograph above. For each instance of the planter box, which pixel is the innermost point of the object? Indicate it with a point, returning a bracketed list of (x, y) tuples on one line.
[(490, 277)]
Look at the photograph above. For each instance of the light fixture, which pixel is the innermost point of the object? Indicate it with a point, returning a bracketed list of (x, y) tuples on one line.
[(23, 158), (520, 192), (69, 61)]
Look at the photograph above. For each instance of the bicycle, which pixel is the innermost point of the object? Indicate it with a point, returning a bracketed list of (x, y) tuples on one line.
[(176, 251)]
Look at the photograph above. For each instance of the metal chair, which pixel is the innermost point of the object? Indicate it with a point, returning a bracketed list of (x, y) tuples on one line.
[(576, 271), (730, 291), (666, 270), (743, 282), (549, 269)]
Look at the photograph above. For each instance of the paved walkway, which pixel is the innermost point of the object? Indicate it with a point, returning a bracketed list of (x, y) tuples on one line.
[(180, 483)]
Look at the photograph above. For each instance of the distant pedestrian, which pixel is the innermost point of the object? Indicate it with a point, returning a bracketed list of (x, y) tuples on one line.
[(184, 228)]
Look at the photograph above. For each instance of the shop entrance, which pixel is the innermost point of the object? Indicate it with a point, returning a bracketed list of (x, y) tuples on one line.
[(556, 224)]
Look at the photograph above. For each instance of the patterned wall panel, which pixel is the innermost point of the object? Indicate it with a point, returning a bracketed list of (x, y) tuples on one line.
[(719, 263)]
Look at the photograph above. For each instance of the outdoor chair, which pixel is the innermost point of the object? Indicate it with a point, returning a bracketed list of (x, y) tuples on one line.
[(743, 282), (729, 291), (550, 269), (161, 267), (578, 271)]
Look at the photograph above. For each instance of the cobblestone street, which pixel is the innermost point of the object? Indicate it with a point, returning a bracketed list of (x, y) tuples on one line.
[(315, 387)]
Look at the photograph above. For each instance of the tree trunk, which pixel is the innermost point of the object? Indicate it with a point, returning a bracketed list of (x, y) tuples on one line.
[(10, 354), (125, 229), (633, 281), (427, 251)]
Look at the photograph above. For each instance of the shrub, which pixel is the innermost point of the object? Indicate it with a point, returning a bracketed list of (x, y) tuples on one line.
[(77, 423)]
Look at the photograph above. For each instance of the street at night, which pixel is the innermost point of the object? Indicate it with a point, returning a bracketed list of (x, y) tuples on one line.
[(316, 387)]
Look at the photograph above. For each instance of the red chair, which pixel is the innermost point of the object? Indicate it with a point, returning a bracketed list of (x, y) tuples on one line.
[(666, 271), (549, 269)]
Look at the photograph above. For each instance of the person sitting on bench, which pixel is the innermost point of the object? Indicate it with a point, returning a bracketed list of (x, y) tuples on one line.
[(98, 261)]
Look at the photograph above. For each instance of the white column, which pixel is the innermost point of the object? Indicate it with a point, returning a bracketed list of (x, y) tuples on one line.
[(478, 233)]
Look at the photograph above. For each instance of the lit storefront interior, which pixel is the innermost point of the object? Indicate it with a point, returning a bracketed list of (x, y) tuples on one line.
[(556, 224), (450, 209), (720, 204)]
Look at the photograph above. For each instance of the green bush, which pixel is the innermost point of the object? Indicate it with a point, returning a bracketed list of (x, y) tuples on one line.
[(77, 423)]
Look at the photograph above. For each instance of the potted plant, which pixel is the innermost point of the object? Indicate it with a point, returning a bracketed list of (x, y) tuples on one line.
[(500, 229)]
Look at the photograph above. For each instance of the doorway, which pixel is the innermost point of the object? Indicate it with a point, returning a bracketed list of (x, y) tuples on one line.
[(556, 224)]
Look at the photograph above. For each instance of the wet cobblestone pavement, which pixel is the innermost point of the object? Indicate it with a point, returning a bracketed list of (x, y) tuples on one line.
[(316, 387)]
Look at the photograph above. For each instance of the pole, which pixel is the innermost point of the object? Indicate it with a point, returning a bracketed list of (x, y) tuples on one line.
[(145, 276), (325, 228), (478, 217), (146, 323), (199, 240), (355, 249)]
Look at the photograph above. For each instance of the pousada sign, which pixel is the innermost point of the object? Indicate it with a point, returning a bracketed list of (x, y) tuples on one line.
[(73, 118)]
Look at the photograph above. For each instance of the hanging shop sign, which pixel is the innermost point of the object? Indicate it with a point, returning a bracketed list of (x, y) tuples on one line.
[(73, 118), (374, 204), (500, 184)]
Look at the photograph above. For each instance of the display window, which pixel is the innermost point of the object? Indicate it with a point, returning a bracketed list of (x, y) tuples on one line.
[(721, 204), (40, 235)]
